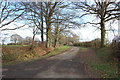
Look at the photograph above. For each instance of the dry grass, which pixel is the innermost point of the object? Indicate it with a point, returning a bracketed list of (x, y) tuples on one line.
[(22, 53), (16, 54)]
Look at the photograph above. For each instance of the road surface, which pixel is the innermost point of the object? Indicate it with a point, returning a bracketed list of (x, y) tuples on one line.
[(64, 65)]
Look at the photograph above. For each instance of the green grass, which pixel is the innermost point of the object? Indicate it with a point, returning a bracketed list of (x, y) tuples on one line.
[(14, 45), (105, 70), (56, 51)]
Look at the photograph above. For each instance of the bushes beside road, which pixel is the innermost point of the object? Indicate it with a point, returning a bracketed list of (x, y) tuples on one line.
[(94, 43)]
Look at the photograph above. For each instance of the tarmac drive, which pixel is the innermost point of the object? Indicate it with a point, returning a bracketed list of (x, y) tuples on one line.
[(64, 65)]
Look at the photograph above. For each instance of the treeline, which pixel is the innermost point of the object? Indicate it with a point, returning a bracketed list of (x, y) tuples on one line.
[(94, 43), (16, 39), (46, 19), (54, 19)]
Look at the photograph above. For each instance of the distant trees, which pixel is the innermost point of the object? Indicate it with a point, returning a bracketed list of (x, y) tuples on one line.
[(16, 38), (68, 38), (28, 40), (3, 40), (103, 10)]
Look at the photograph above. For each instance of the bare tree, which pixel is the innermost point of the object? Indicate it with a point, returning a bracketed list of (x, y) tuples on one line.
[(49, 9), (28, 40), (59, 28), (46, 13), (66, 37), (35, 16), (16, 38), (104, 10), (10, 12), (60, 21)]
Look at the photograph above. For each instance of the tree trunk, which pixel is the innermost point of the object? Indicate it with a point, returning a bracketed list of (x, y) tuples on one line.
[(42, 37), (15, 42), (47, 39), (42, 32), (103, 33), (49, 13), (33, 44), (33, 37), (48, 36), (56, 36), (55, 42)]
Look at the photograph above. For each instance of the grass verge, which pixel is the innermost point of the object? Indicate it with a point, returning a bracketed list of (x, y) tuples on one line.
[(100, 61), (18, 58), (14, 45), (106, 67), (105, 70), (55, 52)]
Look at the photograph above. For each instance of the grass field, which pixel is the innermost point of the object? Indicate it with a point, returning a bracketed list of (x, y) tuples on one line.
[(14, 45)]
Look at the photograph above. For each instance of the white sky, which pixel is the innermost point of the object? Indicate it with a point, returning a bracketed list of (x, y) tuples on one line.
[(89, 33)]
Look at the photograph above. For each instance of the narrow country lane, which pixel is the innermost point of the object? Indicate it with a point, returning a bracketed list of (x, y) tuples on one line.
[(64, 65)]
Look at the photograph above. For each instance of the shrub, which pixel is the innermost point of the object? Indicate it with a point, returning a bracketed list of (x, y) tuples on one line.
[(116, 47)]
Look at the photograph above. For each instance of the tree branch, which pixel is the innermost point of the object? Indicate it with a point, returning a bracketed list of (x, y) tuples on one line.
[(13, 28)]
